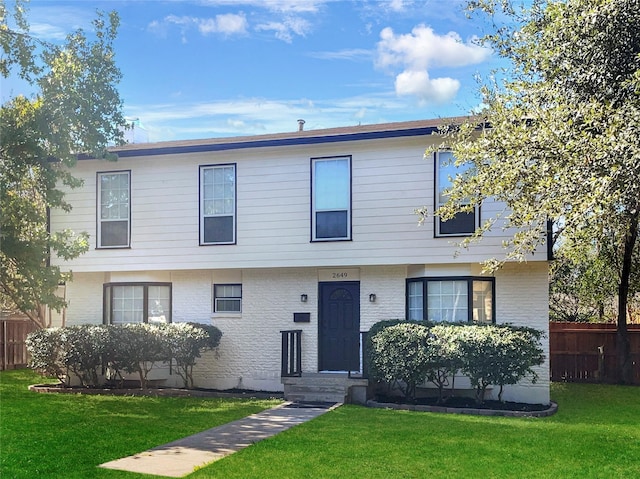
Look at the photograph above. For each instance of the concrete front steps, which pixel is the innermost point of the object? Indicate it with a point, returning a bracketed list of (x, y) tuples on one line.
[(325, 387)]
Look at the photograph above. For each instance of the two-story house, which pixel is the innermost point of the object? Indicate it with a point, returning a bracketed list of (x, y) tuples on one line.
[(309, 231)]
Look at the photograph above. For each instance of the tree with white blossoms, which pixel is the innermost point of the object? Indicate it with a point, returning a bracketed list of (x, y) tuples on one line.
[(558, 137)]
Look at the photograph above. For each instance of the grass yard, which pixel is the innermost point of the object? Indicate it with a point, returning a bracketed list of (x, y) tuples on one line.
[(595, 434), (67, 435)]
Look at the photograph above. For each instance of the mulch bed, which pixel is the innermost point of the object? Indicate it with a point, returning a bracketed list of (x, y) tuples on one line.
[(465, 405)]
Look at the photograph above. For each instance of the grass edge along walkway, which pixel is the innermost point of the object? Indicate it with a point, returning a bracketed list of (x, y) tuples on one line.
[(179, 458)]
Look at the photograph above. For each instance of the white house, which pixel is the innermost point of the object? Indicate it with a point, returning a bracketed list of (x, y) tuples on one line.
[(309, 231)]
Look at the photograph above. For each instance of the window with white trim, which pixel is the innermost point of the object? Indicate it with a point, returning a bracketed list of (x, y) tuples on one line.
[(227, 298), (114, 209), (218, 204), (463, 223), (126, 303), (331, 199), (459, 299)]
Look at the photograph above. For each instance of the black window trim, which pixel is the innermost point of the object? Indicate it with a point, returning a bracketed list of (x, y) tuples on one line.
[(436, 219), (235, 205), (106, 308), (98, 210), (468, 279), (312, 202)]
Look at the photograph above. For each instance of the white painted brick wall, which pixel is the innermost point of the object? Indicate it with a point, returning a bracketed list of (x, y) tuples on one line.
[(249, 352), (522, 298)]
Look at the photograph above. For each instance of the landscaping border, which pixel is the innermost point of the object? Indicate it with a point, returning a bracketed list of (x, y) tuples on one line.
[(552, 409)]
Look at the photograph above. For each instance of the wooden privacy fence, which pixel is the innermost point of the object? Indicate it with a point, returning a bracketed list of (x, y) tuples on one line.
[(13, 350), (585, 352)]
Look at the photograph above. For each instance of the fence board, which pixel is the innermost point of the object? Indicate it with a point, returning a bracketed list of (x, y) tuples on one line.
[(587, 352), (13, 350)]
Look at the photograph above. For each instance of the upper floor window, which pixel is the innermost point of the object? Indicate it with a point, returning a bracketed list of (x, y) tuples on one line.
[(463, 299), (463, 223), (331, 198), (137, 303), (114, 209), (218, 204), (227, 298)]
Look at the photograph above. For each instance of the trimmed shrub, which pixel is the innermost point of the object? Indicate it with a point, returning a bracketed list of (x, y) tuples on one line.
[(132, 348), (444, 357), (185, 342), (141, 348), (45, 351), (82, 351), (498, 355), (408, 353), (400, 355)]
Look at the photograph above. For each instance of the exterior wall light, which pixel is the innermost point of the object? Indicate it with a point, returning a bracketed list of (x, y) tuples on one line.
[(303, 298), (372, 298)]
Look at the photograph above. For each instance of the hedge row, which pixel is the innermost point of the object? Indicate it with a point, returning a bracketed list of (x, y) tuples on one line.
[(409, 353), (88, 351)]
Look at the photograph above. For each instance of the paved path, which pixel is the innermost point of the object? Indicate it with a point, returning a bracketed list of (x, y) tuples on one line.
[(179, 458)]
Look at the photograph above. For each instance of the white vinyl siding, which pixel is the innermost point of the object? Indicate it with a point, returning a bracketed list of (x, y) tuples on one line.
[(218, 204), (390, 179), (464, 223), (113, 209), (331, 199)]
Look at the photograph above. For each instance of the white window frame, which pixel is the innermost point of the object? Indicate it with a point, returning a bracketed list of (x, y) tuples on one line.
[(231, 288), (218, 196), (439, 201), (119, 218), (316, 208)]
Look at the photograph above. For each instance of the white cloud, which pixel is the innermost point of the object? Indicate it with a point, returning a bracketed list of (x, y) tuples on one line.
[(298, 6), (418, 83), (225, 24), (287, 28), (416, 53), (347, 54)]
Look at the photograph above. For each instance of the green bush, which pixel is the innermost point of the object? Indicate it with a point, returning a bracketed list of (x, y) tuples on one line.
[(185, 342), (444, 357), (82, 349), (408, 353), (400, 354), (45, 351), (85, 350)]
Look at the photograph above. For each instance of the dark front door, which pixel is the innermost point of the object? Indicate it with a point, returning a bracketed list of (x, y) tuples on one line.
[(339, 326)]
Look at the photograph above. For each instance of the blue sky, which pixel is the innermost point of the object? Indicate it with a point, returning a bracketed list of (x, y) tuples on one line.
[(212, 68)]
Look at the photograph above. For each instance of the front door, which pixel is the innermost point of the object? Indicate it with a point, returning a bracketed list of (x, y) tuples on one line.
[(339, 326)]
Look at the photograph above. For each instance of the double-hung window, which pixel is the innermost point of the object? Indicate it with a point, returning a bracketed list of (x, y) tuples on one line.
[(331, 199), (114, 209), (460, 299), (218, 204), (463, 223), (126, 303), (227, 298)]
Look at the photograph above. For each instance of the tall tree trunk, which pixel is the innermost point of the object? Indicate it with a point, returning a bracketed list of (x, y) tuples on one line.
[(623, 345)]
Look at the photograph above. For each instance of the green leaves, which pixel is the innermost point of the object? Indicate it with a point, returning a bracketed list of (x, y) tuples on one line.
[(76, 109)]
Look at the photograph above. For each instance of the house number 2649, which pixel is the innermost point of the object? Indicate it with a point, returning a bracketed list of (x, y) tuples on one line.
[(342, 275)]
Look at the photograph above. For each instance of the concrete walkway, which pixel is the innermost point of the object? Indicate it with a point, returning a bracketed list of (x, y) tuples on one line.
[(179, 458)]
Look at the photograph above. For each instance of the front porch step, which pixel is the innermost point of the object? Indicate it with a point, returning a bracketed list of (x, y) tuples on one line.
[(324, 388)]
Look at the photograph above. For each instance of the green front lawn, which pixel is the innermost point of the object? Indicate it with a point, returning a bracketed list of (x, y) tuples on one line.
[(595, 434)]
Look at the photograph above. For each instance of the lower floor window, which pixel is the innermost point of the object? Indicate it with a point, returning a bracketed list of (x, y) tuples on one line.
[(137, 303), (460, 299), (227, 298)]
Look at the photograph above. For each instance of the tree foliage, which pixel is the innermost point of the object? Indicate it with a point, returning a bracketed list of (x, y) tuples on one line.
[(559, 136), (75, 108)]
